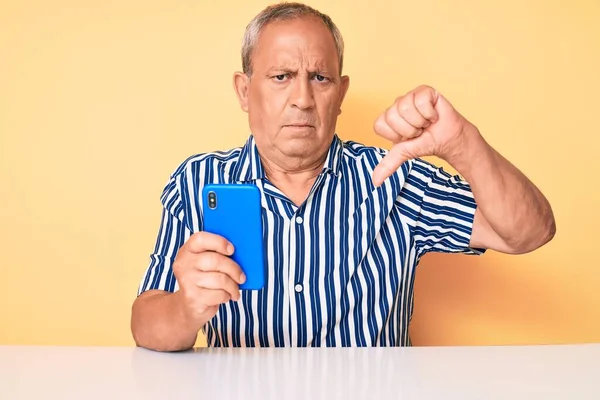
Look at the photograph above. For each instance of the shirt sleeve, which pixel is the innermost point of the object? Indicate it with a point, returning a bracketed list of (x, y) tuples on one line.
[(444, 209), (172, 234)]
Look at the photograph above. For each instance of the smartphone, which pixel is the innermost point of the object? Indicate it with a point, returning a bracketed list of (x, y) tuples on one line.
[(234, 212)]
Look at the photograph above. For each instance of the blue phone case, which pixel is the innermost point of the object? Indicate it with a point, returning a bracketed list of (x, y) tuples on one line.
[(234, 212)]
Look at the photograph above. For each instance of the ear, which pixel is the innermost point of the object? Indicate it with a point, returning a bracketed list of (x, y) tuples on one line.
[(344, 85), (241, 85)]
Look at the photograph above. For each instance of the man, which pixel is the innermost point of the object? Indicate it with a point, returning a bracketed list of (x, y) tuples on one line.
[(346, 224)]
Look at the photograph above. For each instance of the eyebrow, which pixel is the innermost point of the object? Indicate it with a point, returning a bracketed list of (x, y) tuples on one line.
[(290, 69)]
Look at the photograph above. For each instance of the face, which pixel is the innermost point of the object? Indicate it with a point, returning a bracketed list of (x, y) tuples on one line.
[(295, 92)]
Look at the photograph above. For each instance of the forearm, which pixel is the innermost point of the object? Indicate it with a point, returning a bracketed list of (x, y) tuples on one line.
[(159, 322), (513, 207)]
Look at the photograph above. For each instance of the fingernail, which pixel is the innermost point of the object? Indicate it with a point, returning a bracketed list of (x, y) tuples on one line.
[(242, 278), (230, 248)]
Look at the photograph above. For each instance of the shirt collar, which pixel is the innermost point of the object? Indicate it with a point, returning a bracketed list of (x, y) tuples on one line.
[(334, 156), (249, 166)]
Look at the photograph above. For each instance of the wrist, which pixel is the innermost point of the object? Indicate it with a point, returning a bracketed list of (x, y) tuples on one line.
[(468, 152), (191, 321)]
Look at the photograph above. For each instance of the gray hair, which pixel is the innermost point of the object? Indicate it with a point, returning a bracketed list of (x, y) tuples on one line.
[(281, 12)]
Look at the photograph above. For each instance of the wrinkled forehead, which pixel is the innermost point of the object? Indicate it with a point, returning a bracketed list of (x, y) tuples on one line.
[(296, 44)]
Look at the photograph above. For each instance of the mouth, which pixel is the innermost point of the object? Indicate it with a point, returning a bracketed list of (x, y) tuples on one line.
[(298, 126)]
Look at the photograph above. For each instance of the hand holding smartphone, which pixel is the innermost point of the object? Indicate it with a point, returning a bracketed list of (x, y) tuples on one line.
[(234, 212)]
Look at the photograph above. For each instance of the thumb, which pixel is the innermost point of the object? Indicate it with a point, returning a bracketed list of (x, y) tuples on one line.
[(398, 155)]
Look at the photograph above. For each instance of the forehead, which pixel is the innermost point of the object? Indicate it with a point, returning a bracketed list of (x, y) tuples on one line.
[(305, 41)]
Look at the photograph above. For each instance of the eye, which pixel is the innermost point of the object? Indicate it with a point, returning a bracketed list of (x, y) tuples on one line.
[(321, 78), (280, 78)]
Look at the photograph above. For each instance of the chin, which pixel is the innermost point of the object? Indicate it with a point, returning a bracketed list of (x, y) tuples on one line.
[(299, 148), (300, 132)]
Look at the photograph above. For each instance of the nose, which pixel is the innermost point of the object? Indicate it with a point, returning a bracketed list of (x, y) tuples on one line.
[(302, 93)]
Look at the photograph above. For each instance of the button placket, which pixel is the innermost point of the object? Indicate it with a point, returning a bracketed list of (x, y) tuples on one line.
[(298, 287), (295, 280)]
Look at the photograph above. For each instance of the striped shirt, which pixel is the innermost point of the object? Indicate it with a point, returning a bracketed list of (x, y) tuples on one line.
[(341, 266)]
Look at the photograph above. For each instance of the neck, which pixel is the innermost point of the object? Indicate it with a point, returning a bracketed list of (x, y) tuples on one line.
[(294, 182)]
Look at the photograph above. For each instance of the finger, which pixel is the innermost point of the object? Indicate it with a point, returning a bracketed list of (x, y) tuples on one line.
[(213, 297), (210, 261), (409, 112), (218, 281), (384, 130), (390, 163), (200, 242), (424, 101), (400, 125)]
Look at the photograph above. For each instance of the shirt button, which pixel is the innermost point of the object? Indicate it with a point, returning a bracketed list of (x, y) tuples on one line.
[(299, 220), (298, 288)]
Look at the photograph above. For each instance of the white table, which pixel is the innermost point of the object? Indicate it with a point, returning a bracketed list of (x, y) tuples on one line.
[(529, 372)]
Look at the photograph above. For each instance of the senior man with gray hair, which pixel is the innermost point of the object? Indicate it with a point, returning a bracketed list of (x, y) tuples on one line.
[(347, 223)]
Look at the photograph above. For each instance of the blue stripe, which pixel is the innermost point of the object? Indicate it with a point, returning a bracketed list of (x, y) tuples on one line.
[(329, 269), (344, 273), (248, 334), (359, 337)]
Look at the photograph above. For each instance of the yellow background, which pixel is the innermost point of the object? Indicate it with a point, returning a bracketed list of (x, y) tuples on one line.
[(100, 100)]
